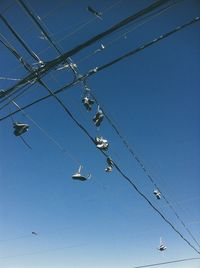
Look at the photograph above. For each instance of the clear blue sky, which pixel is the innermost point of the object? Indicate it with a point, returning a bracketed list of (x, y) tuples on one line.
[(153, 97)]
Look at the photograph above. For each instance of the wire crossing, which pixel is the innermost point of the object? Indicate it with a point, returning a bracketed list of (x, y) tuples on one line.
[(52, 64), (102, 67), (121, 172)]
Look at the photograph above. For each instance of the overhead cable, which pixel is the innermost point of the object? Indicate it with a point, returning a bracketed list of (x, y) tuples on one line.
[(145, 170), (29, 68), (19, 39), (102, 67), (35, 19), (167, 262), (53, 140), (120, 171), (52, 64)]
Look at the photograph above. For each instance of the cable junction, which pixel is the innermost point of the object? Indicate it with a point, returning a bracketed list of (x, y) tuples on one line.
[(52, 64), (102, 67)]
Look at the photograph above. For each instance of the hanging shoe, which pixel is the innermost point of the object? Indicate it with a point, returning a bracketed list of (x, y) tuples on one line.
[(78, 176), (20, 128), (157, 194), (101, 143), (108, 169), (98, 118), (88, 103)]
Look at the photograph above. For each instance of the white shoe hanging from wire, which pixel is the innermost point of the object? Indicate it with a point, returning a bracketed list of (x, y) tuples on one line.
[(79, 176), (101, 143), (157, 193), (98, 118), (87, 102), (161, 247)]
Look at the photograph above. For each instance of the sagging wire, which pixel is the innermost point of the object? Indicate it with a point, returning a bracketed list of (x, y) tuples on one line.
[(158, 193), (102, 150), (121, 36), (27, 66), (53, 140), (52, 64), (43, 84), (102, 67)]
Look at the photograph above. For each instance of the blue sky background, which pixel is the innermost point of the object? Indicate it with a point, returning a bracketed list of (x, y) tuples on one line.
[(153, 97)]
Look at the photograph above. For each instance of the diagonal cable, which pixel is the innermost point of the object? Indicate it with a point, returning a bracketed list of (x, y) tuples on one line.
[(102, 67)]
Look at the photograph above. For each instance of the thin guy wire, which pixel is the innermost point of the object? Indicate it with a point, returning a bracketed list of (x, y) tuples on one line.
[(147, 18), (34, 122), (53, 140), (34, 55), (167, 262), (27, 66)]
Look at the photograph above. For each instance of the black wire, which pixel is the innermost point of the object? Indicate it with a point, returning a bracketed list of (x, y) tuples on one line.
[(161, 37), (98, 69), (136, 157), (168, 262), (107, 32), (116, 166), (34, 18), (51, 64), (19, 39), (119, 170)]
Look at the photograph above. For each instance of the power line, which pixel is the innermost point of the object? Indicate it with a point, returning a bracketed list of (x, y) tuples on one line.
[(36, 56), (20, 39), (35, 19), (120, 171), (102, 67), (164, 263), (29, 68), (115, 27), (51, 64), (53, 140), (149, 18), (145, 170), (144, 20), (116, 166), (75, 31)]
